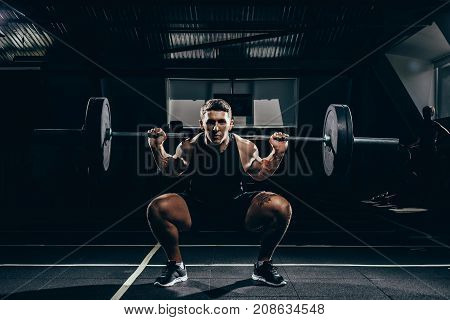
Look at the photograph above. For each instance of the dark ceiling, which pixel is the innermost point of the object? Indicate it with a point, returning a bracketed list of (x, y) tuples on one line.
[(190, 34)]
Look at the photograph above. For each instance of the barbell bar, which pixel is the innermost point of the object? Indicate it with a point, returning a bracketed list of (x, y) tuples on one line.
[(176, 135), (337, 139), (183, 135), (172, 135)]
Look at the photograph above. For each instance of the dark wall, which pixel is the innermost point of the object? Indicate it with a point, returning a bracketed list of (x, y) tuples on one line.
[(21, 92), (58, 176), (374, 115)]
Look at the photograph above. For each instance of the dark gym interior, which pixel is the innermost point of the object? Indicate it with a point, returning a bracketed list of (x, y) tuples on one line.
[(378, 232)]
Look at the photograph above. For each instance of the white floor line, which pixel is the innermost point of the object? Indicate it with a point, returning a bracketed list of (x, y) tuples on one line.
[(135, 274), (224, 245), (142, 266)]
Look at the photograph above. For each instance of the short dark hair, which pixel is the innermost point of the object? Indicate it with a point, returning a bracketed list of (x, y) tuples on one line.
[(215, 105)]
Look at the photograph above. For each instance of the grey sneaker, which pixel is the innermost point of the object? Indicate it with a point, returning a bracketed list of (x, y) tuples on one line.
[(171, 274), (267, 273)]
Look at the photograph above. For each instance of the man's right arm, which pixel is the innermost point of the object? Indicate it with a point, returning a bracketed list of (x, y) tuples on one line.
[(170, 165)]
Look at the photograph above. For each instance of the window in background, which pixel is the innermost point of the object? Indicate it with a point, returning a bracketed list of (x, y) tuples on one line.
[(242, 106), (255, 102), (443, 91)]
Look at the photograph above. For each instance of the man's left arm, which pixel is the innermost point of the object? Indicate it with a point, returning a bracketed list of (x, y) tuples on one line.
[(443, 137), (262, 168)]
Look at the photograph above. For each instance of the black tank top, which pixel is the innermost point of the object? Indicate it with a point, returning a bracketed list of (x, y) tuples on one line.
[(215, 176)]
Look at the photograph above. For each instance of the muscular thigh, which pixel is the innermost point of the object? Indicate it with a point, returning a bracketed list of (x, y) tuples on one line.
[(173, 208)]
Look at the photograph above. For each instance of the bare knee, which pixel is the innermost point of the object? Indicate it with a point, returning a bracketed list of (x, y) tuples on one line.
[(277, 206), (169, 207)]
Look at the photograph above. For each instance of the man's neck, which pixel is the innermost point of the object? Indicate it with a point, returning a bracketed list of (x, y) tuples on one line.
[(222, 146)]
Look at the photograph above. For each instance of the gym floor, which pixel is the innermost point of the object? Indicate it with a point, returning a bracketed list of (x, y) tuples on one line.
[(372, 254)]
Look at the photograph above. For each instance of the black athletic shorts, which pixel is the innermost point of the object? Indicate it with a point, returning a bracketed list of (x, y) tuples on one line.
[(226, 215)]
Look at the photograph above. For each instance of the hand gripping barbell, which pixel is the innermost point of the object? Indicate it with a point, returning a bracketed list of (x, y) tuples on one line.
[(337, 139)]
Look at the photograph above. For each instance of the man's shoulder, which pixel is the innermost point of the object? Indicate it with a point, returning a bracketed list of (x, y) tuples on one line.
[(187, 144), (195, 139), (244, 144)]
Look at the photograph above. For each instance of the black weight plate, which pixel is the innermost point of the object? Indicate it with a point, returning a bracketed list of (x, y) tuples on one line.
[(97, 120), (338, 126)]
